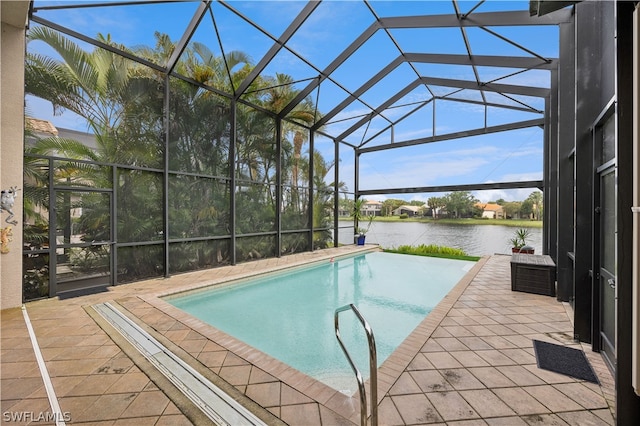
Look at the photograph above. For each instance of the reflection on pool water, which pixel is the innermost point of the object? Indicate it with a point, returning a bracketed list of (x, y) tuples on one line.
[(290, 315)]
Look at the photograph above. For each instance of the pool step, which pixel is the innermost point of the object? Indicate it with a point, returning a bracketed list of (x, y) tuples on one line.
[(214, 403)]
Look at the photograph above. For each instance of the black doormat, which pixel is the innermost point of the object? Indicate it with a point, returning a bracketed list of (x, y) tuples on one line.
[(564, 360)]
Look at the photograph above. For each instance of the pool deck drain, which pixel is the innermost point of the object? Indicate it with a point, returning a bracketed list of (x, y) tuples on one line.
[(213, 402)]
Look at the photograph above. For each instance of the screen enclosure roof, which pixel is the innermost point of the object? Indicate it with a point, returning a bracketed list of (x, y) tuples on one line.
[(379, 74)]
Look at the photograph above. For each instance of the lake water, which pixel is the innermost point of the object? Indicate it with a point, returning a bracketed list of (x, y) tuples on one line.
[(475, 240)]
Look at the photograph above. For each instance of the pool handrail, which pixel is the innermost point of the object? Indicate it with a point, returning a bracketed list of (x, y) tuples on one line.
[(373, 366)]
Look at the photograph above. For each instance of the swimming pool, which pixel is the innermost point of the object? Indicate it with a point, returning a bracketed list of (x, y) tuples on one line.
[(289, 315)]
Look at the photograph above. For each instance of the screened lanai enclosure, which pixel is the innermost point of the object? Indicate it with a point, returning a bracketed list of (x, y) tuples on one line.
[(195, 134), (162, 137)]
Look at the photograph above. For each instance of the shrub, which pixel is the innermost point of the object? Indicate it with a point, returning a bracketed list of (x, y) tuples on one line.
[(433, 250)]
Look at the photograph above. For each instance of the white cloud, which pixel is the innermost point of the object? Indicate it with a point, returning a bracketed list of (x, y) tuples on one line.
[(418, 171), (517, 177), (519, 194)]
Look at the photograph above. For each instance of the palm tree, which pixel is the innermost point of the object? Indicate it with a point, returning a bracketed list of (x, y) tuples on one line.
[(122, 103), (536, 203), (279, 94), (122, 109), (434, 204), (322, 200)]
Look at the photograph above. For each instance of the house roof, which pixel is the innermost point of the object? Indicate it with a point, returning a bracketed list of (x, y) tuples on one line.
[(412, 208), (41, 126), (490, 207)]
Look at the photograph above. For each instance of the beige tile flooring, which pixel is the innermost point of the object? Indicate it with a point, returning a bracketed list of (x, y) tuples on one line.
[(470, 362)]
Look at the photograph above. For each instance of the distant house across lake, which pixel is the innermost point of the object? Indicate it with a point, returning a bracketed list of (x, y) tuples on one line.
[(372, 208), (408, 210), (491, 210)]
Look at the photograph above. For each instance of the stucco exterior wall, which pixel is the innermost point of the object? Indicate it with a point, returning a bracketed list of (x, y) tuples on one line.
[(14, 18)]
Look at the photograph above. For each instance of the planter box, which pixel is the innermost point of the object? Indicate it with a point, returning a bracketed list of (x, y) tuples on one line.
[(533, 274), (522, 250)]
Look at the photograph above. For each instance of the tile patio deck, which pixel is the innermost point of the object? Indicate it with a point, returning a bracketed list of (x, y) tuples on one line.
[(470, 362)]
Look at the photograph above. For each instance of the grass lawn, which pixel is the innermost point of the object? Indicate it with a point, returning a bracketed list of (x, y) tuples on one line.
[(433, 251)]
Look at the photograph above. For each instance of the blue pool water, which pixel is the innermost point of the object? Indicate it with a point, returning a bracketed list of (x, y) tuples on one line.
[(290, 315)]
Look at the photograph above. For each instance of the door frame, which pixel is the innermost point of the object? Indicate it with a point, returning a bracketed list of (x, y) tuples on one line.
[(601, 342), (53, 242), (600, 169)]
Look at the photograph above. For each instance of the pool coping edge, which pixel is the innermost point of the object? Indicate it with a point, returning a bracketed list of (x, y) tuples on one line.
[(344, 405)]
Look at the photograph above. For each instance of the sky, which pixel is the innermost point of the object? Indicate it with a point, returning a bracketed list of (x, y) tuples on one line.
[(497, 157)]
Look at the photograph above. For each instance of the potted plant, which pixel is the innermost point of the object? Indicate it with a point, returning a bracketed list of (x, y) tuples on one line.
[(363, 231), (519, 242), (359, 217)]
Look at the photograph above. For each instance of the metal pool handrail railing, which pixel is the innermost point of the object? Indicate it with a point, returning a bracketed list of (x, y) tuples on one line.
[(373, 366)]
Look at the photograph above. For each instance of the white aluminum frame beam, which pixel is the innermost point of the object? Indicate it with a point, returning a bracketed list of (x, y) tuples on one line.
[(484, 19), (462, 84), (458, 135), (477, 60), (453, 188)]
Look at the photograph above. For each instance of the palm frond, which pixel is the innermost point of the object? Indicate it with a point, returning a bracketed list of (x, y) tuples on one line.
[(75, 59)]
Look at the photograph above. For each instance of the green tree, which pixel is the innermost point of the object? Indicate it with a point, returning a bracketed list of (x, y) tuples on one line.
[(280, 92), (535, 200), (512, 208), (434, 204), (322, 201), (199, 124), (274, 94), (390, 204), (526, 208), (118, 100), (122, 102), (121, 106), (460, 203), (199, 148)]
